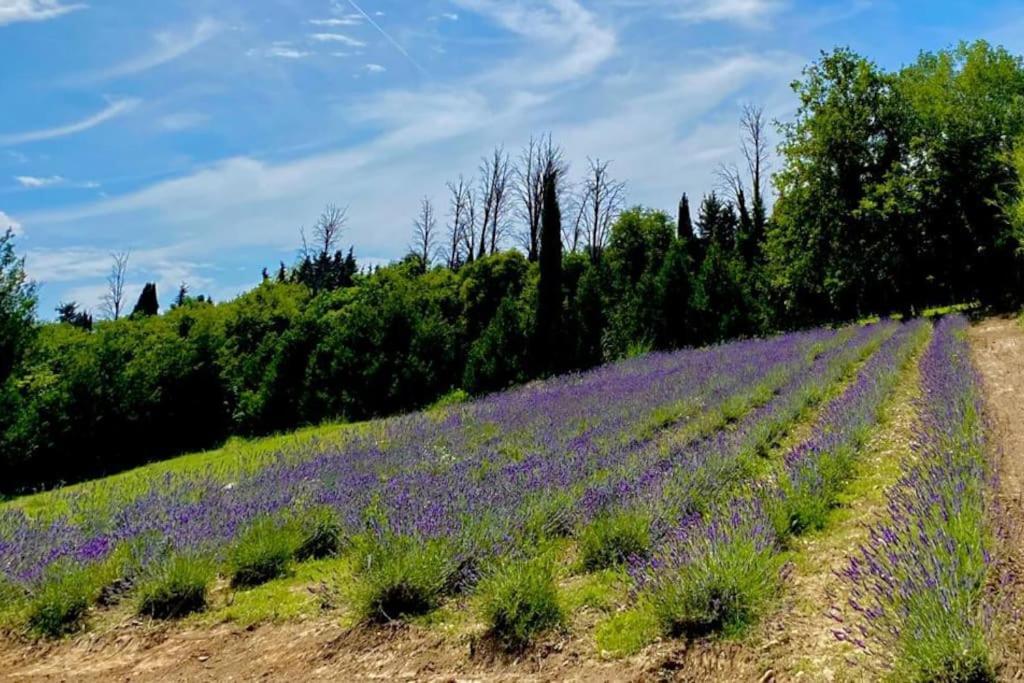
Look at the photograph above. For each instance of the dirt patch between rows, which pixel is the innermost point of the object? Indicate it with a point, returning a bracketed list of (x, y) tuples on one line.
[(997, 347)]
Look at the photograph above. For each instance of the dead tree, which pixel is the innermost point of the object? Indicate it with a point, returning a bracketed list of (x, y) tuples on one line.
[(112, 303), (328, 230), (424, 233), (601, 200), (459, 199), (495, 179), (540, 156)]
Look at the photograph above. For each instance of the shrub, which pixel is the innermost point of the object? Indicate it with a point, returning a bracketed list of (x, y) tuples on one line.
[(614, 538), (548, 517), (714, 574), (401, 577), (60, 603), (177, 588), (321, 534), (520, 600), (263, 553)]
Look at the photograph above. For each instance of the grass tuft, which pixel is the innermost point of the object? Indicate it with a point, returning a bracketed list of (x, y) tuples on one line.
[(401, 577), (177, 588), (612, 539), (322, 535), (520, 601), (264, 552), (60, 604)]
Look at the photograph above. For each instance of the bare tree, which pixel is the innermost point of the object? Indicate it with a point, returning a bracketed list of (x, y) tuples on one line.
[(495, 178), (539, 157), (601, 199), (424, 233), (113, 303), (327, 231), (460, 198), (730, 181), (469, 229), (754, 146)]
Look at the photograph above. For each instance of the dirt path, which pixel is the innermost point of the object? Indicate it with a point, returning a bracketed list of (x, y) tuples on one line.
[(997, 346)]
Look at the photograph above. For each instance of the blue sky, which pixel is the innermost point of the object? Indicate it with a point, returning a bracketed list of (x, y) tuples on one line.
[(202, 135)]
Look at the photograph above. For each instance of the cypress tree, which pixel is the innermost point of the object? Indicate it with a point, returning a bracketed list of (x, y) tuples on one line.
[(147, 304), (684, 228), (549, 287)]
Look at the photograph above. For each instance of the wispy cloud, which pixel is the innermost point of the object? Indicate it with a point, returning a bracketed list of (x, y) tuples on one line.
[(374, 68), (280, 50), (34, 10), (167, 46), (7, 222), (575, 44), (387, 36), (745, 12), (337, 38), (33, 182), (346, 20), (181, 121), (113, 110)]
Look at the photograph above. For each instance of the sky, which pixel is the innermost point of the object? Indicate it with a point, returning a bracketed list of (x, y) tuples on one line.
[(202, 136)]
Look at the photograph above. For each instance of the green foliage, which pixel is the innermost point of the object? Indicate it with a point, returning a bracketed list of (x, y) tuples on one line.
[(17, 306), (176, 588), (263, 552), (400, 577), (520, 600), (626, 633), (720, 592), (321, 534), (498, 358), (613, 538), (59, 605)]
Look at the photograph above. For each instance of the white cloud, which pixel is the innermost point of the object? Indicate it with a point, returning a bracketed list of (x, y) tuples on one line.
[(337, 38), (114, 109), (183, 120), (374, 68), (281, 51), (6, 221), (745, 12), (573, 42), (346, 20), (168, 46), (36, 182), (34, 10)]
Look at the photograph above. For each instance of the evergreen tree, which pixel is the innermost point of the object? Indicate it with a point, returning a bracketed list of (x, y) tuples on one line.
[(70, 314), (549, 287), (684, 227), (147, 304)]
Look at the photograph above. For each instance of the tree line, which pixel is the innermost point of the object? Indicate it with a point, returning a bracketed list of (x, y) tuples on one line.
[(895, 191)]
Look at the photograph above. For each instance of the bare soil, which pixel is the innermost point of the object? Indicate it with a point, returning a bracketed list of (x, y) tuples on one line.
[(997, 346)]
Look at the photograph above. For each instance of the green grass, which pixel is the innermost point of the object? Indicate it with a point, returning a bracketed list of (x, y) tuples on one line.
[(520, 601), (626, 633), (613, 538), (263, 553), (400, 577), (177, 588), (237, 457)]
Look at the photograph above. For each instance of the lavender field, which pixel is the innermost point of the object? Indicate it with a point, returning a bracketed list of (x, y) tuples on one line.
[(667, 494)]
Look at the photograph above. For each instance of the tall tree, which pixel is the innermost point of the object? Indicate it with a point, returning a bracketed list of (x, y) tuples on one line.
[(537, 157), (17, 307), (147, 305), (754, 145), (424, 233), (684, 224), (495, 196), (459, 199), (113, 302), (549, 286), (601, 201)]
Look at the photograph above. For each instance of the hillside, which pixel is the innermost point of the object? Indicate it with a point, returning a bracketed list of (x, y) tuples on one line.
[(691, 515)]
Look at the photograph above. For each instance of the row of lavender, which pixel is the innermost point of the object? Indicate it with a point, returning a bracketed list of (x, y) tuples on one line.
[(577, 419), (924, 591), (715, 570)]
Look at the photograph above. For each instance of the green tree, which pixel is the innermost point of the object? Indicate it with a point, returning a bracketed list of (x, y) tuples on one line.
[(549, 325)]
